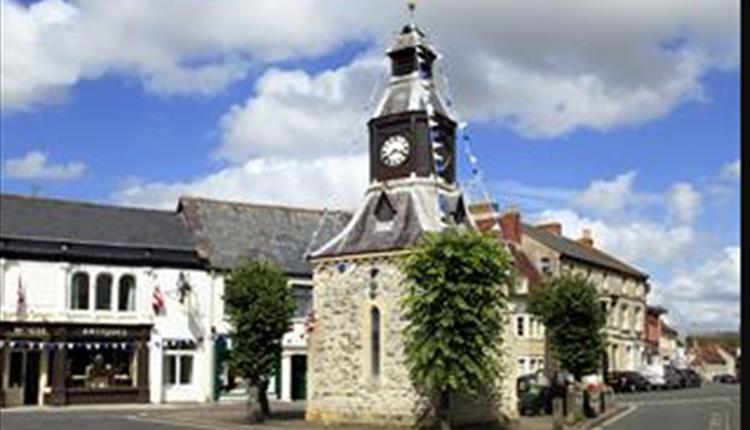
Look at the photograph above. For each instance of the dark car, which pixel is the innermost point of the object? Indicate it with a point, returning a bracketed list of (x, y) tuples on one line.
[(691, 378), (627, 381), (672, 378), (726, 379), (533, 395)]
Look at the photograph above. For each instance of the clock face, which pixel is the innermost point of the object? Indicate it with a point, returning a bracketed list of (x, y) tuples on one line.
[(394, 151)]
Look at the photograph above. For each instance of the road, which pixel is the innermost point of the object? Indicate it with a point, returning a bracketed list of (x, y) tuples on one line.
[(712, 407)]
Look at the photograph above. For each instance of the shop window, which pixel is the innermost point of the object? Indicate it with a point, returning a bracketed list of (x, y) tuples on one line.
[(16, 369), (186, 369), (126, 294), (178, 369), (302, 300), (170, 369), (79, 291), (104, 292), (108, 366), (375, 342)]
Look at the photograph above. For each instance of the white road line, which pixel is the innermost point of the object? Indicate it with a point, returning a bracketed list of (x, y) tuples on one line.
[(616, 418)]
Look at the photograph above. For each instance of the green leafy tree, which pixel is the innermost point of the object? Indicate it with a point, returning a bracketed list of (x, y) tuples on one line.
[(569, 308), (260, 306), (454, 304)]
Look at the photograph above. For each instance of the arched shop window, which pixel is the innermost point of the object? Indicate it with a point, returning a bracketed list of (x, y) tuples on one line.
[(375, 342), (126, 294), (104, 292), (79, 291)]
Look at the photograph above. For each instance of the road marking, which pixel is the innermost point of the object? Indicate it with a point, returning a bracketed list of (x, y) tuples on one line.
[(616, 418), (682, 401)]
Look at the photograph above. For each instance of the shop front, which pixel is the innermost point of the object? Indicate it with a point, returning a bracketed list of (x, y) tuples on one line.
[(65, 363)]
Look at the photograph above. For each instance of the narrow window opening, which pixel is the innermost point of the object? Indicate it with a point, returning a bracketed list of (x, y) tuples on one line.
[(375, 342)]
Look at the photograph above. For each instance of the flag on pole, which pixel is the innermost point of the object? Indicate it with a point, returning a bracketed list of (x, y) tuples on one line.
[(20, 297), (157, 301)]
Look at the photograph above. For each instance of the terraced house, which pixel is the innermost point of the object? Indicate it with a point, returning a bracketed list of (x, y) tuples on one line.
[(622, 288)]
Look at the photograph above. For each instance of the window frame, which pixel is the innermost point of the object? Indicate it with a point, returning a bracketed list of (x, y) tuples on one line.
[(100, 276), (73, 297), (133, 286)]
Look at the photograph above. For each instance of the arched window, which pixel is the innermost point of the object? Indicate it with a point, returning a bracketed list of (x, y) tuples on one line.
[(375, 342), (104, 292), (126, 293), (79, 291)]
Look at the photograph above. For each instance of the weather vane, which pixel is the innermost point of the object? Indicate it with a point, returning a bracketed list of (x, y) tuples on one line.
[(412, 5)]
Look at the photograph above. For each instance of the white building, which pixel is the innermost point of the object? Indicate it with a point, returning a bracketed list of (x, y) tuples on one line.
[(77, 323)]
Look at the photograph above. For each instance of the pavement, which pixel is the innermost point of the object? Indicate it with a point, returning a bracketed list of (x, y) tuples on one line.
[(713, 407)]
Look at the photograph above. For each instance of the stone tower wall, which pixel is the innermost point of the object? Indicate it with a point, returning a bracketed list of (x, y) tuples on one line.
[(340, 386)]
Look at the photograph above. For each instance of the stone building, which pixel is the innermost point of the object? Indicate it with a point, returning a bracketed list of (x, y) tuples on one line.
[(527, 331), (668, 344), (356, 370), (622, 288)]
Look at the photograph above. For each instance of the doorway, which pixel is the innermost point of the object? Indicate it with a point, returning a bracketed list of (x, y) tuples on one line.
[(31, 381), (299, 377)]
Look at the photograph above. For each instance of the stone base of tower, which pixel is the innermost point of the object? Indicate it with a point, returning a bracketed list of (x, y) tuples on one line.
[(343, 387)]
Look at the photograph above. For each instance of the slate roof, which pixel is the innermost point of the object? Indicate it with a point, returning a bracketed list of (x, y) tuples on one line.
[(43, 227), (577, 251), (418, 207), (228, 233)]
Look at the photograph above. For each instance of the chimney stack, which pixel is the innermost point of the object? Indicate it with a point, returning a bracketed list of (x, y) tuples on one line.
[(552, 227), (586, 238), (510, 222)]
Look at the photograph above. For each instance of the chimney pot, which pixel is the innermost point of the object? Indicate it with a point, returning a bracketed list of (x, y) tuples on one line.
[(586, 238)]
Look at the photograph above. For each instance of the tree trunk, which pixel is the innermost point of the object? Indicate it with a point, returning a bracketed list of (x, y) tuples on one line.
[(265, 408), (443, 411)]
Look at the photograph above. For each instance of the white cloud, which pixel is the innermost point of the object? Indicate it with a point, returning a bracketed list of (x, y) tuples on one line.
[(612, 198), (175, 47), (337, 181), (36, 165), (707, 296), (596, 66), (640, 242), (298, 115), (683, 202)]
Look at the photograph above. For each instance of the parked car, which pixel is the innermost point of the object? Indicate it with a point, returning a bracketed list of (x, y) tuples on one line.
[(672, 378), (691, 377), (654, 374), (726, 379), (627, 381), (533, 394)]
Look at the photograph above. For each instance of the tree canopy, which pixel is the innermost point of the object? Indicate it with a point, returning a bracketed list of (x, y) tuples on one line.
[(455, 307), (260, 306), (569, 308)]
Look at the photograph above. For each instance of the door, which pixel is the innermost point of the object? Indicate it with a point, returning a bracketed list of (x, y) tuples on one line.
[(31, 382), (299, 377)]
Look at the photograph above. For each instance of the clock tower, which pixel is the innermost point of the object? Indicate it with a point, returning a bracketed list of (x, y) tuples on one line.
[(356, 371), (411, 132)]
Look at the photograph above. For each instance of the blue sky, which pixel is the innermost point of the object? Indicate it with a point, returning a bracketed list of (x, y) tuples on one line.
[(633, 135)]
